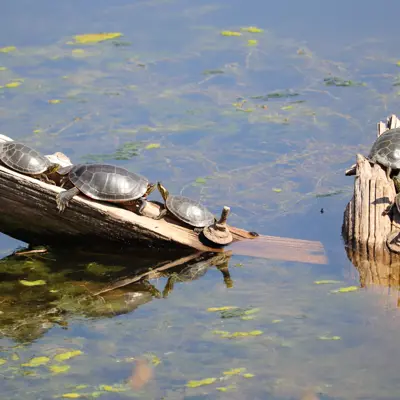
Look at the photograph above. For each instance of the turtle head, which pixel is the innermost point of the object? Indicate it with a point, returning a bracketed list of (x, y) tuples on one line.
[(150, 189), (58, 160), (164, 192)]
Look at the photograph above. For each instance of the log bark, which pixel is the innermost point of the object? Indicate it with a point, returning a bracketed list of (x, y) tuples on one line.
[(28, 212)]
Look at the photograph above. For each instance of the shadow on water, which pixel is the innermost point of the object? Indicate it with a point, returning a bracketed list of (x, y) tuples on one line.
[(41, 289)]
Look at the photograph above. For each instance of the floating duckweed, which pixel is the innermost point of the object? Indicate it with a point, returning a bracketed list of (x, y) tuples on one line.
[(213, 309), (154, 359), (78, 51), (277, 190), (36, 362), (54, 101), (96, 394), (234, 371), (59, 369), (153, 146), (78, 387), (7, 49), (3, 68), (248, 375), (247, 317), (286, 107), (71, 396), (329, 337), (225, 388), (230, 33), (203, 382), (336, 81), (32, 283), (115, 388), (229, 335), (252, 311), (325, 282), (252, 42), (13, 84), (201, 181), (2, 361), (244, 334), (67, 355), (276, 321), (96, 37), (220, 332), (252, 29), (15, 357), (213, 71), (345, 289)]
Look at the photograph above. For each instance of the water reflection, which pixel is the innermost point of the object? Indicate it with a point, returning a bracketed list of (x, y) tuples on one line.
[(41, 288)]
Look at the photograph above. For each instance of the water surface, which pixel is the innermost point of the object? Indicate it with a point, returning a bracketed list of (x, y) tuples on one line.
[(260, 122)]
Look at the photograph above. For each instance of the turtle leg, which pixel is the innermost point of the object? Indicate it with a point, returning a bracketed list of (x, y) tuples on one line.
[(63, 181), (197, 230), (397, 202), (142, 202), (45, 178), (388, 172), (63, 198), (396, 181), (162, 214)]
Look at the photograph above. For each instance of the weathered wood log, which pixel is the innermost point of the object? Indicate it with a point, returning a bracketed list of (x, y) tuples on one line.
[(370, 224), (28, 212)]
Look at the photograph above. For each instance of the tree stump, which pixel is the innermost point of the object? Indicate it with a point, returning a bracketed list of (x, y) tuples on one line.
[(371, 226)]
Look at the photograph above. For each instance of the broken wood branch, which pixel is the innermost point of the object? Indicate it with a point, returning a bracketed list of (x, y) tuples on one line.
[(28, 212)]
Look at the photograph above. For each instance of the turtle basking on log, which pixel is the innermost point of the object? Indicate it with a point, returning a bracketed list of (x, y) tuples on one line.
[(185, 209), (104, 182), (25, 160), (386, 151)]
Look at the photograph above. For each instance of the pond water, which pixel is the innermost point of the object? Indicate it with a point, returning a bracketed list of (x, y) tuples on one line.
[(265, 122)]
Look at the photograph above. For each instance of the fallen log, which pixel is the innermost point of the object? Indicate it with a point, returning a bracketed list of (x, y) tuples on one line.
[(28, 213)]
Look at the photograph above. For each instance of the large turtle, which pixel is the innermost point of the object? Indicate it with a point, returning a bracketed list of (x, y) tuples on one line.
[(24, 159), (386, 151), (187, 210), (104, 182)]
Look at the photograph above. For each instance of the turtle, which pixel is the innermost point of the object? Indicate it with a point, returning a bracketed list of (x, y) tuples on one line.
[(104, 182), (24, 159), (386, 151), (185, 209)]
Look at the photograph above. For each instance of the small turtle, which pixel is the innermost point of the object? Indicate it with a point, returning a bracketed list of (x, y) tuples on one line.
[(187, 210), (386, 151), (24, 159), (104, 182)]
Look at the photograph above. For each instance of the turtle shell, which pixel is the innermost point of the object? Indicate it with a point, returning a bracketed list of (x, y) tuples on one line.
[(189, 211), (386, 149), (22, 158), (107, 182)]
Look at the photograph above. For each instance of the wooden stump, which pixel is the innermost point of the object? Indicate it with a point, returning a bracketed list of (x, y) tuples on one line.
[(371, 226)]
